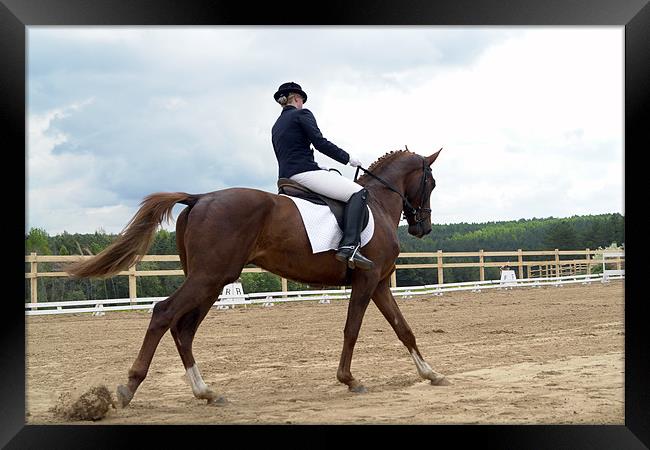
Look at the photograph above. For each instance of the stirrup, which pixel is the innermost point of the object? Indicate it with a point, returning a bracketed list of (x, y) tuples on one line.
[(345, 249), (351, 263), (350, 260)]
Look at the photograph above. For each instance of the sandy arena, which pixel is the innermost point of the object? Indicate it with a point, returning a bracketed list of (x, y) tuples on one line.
[(551, 355)]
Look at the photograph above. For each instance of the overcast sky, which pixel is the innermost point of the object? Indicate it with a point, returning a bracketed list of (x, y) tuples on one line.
[(530, 118)]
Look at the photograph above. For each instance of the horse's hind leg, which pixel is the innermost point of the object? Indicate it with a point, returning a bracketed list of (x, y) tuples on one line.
[(386, 303), (183, 333), (184, 329), (193, 293)]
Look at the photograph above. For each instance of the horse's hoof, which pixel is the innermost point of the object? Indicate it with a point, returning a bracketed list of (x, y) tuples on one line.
[(360, 389), (441, 382), (124, 396), (218, 401)]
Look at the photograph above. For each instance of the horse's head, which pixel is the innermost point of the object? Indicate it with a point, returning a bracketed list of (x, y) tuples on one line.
[(418, 187)]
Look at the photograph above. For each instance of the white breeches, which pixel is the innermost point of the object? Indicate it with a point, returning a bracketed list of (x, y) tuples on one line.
[(329, 184)]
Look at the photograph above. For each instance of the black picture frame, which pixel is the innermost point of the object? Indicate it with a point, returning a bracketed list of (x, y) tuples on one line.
[(634, 15)]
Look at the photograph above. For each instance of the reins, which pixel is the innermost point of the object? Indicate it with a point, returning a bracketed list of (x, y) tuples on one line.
[(407, 205)]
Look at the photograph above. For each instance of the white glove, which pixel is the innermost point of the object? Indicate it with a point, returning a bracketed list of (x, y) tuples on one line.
[(354, 162)]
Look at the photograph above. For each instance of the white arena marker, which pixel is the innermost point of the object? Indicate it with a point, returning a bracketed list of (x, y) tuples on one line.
[(508, 278), (231, 295)]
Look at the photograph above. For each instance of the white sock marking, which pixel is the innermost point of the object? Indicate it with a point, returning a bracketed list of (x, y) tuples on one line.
[(196, 381), (424, 369)]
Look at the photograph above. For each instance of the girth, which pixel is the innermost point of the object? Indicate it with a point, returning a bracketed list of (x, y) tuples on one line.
[(291, 188)]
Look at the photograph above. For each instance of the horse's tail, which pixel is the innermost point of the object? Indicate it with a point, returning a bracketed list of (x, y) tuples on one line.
[(134, 240)]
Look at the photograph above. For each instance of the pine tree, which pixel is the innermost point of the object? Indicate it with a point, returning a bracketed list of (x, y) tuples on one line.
[(37, 241), (560, 235)]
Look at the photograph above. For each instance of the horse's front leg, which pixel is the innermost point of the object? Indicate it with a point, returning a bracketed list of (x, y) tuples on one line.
[(362, 288), (386, 303)]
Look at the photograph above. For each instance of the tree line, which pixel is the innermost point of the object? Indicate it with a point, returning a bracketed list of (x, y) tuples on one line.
[(572, 233)]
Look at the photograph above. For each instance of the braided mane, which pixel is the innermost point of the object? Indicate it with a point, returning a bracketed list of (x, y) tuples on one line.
[(384, 160)]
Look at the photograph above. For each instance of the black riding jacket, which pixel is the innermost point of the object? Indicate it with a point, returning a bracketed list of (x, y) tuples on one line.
[(291, 135)]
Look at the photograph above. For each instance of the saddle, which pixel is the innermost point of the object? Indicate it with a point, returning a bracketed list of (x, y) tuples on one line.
[(294, 189)]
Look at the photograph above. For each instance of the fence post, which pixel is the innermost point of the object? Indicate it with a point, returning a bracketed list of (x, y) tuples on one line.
[(393, 278), (481, 267), (520, 262), (133, 286), (588, 258), (285, 288), (440, 272), (557, 263), (33, 282)]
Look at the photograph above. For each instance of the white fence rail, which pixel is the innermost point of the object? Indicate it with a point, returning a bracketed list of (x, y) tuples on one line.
[(99, 307)]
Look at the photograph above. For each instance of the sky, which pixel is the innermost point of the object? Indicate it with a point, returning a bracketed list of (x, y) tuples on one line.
[(530, 119)]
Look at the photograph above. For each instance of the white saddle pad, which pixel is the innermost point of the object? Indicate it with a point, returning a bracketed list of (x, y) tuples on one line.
[(323, 229)]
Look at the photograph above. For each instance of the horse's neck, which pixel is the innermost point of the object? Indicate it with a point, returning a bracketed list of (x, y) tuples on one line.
[(389, 201)]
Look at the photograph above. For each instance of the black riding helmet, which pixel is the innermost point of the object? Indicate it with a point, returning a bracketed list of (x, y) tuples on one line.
[(287, 88)]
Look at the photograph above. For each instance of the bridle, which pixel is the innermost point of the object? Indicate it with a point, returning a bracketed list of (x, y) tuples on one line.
[(418, 215)]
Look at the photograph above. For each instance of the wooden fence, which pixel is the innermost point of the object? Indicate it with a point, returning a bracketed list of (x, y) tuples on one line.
[(554, 266)]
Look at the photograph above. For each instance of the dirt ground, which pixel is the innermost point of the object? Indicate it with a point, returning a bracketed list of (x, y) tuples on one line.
[(550, 355)]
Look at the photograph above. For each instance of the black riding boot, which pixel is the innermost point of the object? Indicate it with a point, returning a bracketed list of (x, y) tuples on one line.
[(353, 222)]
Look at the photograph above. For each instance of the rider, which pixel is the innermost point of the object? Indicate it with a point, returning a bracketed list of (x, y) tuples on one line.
[(291, 135)]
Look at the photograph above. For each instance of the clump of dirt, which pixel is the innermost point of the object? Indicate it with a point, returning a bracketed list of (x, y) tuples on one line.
[(435, 330), (93, 404)]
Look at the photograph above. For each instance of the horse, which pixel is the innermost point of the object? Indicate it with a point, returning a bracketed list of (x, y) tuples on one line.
[(220, 232)]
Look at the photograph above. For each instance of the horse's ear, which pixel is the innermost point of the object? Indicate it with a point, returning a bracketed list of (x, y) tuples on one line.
[(432, 158)]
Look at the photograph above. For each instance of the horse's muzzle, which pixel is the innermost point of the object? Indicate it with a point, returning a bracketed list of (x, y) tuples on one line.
[(418, 230)]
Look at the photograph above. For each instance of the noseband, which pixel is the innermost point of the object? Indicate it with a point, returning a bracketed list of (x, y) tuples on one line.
[(409, 211), (416, 213)]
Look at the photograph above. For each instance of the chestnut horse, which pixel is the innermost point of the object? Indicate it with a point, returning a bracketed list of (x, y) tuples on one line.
[(220, 232)]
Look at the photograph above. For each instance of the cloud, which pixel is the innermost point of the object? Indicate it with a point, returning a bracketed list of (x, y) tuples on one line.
[(528, 117)]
